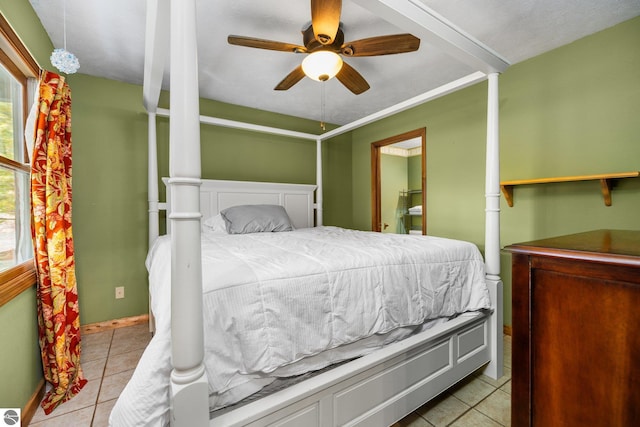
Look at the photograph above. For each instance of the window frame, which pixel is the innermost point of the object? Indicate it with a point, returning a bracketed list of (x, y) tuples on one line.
[(16, 58)]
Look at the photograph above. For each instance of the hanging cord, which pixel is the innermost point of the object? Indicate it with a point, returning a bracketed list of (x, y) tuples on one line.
[(322, 105), (64, 23), (62, 59)]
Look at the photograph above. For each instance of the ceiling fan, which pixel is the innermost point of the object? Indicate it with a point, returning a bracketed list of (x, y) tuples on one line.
[(323, 40)]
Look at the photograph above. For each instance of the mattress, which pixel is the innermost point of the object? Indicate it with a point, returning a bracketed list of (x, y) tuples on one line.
[(281, 304)]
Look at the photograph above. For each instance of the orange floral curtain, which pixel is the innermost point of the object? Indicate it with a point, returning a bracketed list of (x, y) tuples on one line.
[(57, 296)]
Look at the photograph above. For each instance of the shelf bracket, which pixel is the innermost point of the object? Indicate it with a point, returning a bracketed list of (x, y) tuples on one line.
[(606, 185), (507, 190)]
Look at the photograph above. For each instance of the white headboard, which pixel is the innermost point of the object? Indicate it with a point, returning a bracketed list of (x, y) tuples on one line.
[(216, 195)]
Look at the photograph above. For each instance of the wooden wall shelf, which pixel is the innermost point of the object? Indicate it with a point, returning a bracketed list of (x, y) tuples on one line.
[(606, 183)]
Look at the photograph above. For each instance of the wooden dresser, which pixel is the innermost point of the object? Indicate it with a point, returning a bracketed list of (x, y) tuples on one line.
[(576, 330)]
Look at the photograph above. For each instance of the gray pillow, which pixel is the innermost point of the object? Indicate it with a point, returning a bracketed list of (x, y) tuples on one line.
[(256, 219)]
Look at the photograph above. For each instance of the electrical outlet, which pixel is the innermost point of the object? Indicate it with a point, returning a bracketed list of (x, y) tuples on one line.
[(120, 292)]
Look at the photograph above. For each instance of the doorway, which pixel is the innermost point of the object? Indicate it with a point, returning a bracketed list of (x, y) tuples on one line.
[(410, 206)]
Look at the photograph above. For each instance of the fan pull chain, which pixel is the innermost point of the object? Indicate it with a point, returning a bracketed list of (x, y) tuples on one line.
[(322, 105)]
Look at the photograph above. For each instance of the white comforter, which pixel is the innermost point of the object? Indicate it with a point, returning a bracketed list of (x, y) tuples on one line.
[(278, 304)]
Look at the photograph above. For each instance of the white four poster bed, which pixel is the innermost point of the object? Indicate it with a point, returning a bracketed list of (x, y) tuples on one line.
[(376, 389)]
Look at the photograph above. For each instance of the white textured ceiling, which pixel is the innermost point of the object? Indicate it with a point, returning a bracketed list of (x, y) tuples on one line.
[(108, 39)]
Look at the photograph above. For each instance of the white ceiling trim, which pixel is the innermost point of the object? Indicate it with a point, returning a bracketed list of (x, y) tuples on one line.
[(423, 22)]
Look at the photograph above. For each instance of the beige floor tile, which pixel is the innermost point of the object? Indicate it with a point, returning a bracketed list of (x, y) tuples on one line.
[(101, 416), (80, 418), (95, 346), (135, 329), (497, 407), (97, 338), (443, 411), (474, 418), (473, 390), (122, 362), (507, 387), (131, 338), (113, 385), (412, 420), (86, 398), (94, 369), (500, 381)]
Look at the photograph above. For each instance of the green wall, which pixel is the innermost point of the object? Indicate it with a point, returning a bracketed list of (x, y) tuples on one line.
[(109, 196), (414, 165), (393, 179), (20, 364), (397, 174), (570, 111)]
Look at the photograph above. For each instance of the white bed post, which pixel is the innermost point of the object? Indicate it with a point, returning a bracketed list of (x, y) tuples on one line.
[(152, 176), (492, 229), (189, 386), (152, 189), (319, 210)]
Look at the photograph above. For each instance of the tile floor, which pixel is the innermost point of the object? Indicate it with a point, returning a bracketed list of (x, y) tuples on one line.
[(109, 358)]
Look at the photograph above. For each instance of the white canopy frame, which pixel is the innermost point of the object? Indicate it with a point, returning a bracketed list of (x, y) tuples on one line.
[(188, 380)]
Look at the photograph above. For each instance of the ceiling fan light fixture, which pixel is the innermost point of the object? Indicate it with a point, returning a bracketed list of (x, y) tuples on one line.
[(322, 65)]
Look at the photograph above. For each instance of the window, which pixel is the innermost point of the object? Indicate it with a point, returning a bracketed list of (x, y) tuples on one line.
[(17, 67)]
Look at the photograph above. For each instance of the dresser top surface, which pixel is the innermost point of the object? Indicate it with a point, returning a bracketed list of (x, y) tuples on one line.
[(616, 244)]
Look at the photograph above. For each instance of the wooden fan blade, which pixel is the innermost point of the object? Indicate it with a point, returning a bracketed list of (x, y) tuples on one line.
[(265, 44), (352, 79), (381, 45), (292, 78), (325, 19)]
